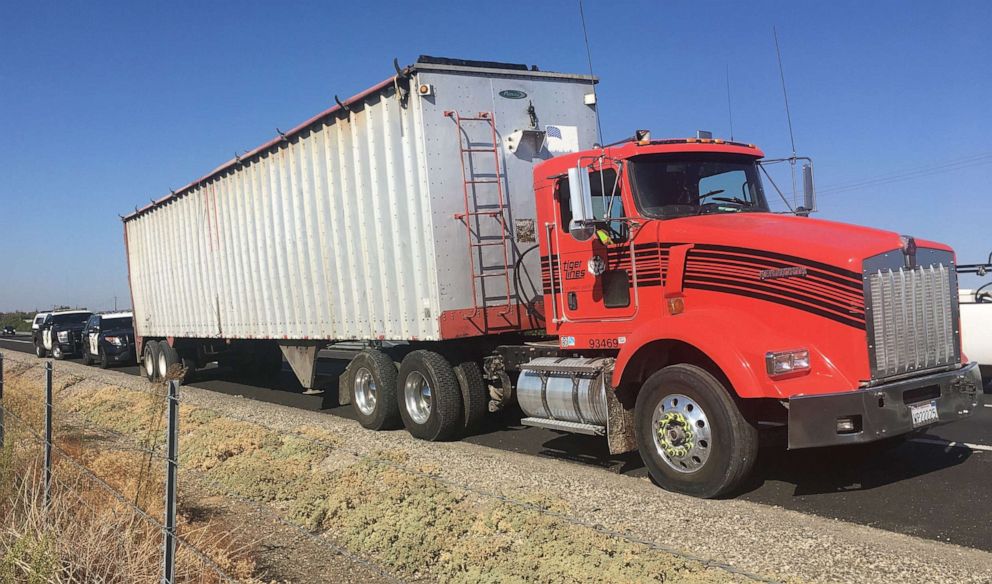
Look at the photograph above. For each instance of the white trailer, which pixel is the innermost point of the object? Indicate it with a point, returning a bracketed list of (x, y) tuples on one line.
[(403, 213)]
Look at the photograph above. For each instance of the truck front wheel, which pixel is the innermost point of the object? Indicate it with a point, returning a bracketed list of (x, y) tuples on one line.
[(372, 378), (430, 400), (690, 433)]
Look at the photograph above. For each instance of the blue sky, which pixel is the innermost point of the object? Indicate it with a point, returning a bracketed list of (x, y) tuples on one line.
[(106, 105)]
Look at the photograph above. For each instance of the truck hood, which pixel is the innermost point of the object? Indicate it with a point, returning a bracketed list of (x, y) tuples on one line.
[(830, 242)]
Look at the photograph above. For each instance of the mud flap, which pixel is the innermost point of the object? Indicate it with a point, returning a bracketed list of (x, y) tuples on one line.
[(344, 383), (619, 422)]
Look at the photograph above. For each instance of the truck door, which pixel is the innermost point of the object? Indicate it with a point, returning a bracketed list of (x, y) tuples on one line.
[(596, 275)]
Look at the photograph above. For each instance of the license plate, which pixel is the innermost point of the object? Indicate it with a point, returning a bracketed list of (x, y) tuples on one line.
[(924, 414)]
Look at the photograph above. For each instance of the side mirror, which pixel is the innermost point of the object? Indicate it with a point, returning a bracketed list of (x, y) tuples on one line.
[(580, 195), (809, 193)]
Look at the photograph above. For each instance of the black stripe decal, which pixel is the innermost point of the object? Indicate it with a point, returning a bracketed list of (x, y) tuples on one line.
[(856, 276), (824, 303), (785, 302)]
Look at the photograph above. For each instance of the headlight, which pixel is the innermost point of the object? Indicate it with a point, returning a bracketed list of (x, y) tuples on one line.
[(63, 336), (117, 341), (785, 362)]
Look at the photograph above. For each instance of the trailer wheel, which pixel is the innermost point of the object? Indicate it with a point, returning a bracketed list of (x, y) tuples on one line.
[(690, 433), (475, 398), (372, 381), (167, 357), (150, 360), (430, 400)]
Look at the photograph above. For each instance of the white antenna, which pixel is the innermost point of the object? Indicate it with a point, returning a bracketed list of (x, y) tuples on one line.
[(730, 108), (592, 80), (788, 115)]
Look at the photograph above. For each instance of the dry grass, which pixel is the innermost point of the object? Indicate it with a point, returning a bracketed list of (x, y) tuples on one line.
[(88, 535)]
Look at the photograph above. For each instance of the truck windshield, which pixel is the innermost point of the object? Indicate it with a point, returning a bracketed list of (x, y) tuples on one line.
[(676, 185)]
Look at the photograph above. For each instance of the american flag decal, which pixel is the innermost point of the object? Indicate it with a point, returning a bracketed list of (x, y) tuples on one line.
[(561, 139)]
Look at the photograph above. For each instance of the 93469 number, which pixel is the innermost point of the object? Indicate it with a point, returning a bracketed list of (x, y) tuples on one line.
[(605, 343)]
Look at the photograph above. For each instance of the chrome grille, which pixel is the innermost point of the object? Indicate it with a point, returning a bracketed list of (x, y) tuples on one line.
[(913, 323)]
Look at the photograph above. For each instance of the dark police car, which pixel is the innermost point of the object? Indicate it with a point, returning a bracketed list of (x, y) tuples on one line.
[(109, 339), (61, 333)]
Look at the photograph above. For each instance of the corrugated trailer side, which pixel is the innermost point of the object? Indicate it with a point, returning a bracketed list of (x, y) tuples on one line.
[(323, 235)]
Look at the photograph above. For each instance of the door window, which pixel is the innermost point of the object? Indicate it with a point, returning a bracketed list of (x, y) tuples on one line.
[(606, 200)]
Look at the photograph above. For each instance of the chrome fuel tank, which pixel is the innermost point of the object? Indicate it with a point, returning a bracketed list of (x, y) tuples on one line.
[(564, 388)]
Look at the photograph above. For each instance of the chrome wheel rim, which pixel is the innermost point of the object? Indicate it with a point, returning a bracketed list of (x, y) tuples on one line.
[(163, 366), (417, 394), (681, 432), (366, 392), (149, 365)]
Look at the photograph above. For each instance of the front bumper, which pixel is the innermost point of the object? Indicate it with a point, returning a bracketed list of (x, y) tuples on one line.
[(70, 347), (883, 411), (120, 354)]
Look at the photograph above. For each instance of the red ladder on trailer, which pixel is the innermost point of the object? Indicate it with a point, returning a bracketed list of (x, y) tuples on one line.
[(476, 239)]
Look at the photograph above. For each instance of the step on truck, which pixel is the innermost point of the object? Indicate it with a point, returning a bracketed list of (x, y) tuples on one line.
[(640, 291)]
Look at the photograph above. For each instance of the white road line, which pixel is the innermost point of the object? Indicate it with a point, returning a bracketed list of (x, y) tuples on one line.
[(952, 443), (988, 405), (18, 341)]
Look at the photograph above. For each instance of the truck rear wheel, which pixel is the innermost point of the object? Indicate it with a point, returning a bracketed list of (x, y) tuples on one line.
[(690, 433), (372, 380), (167, 358), (430, 400), (150, 360), (475, 398)]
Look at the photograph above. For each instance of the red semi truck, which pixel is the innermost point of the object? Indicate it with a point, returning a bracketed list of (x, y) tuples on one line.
[(642, 291)]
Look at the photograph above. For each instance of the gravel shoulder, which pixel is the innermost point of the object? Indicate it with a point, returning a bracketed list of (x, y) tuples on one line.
[(750, 539)]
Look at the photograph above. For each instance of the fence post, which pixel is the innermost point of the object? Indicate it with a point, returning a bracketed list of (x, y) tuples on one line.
[(48, 435), (171, 469), (1, 400)]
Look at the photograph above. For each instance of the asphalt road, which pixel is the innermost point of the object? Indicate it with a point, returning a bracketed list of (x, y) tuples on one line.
[(938, 486)]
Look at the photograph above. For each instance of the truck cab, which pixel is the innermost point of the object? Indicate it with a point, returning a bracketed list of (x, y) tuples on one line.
[(711, 317)]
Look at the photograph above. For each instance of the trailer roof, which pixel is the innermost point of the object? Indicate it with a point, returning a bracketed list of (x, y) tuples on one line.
[(424, 63)]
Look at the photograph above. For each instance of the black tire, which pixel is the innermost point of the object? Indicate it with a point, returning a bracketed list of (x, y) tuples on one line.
[(168, 358), (87, 360), (707, 468), (372, 384), (475, 397), (441, 417), (102, 359), (40, 351), (150, 360), (57, 353)]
